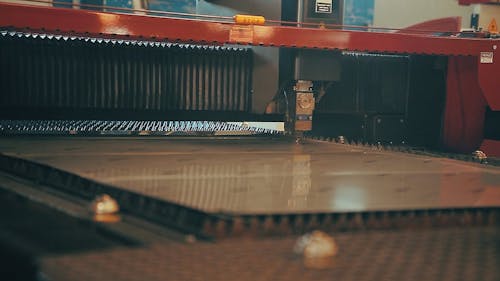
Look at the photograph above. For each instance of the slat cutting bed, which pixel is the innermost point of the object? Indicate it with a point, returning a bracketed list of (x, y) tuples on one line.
[(95, 103)]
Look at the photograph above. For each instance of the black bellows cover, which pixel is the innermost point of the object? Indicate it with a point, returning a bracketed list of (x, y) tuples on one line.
[(40, 71)]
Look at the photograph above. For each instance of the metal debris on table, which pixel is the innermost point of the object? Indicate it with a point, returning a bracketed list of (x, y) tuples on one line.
[(105, 209), (480, 156), (317, 248)]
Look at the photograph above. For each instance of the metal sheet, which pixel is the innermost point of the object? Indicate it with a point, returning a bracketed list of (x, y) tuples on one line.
[(266, 176)]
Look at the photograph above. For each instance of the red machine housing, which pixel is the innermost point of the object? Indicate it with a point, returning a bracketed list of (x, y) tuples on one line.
[(472, 82)]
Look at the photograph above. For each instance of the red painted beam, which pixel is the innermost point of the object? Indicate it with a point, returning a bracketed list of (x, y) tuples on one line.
[(84, 22), (369, 41), (137, 26)]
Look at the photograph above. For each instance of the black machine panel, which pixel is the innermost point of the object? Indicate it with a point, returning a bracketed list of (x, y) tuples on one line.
[(41, 71), (384, 98), (389, 128), (317, 65)]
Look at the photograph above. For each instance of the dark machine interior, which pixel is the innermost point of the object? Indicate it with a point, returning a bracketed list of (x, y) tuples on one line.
[(367, 97)]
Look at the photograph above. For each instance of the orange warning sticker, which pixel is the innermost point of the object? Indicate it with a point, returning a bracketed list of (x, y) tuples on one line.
[(241, 34), (486, 57), (493, 27)]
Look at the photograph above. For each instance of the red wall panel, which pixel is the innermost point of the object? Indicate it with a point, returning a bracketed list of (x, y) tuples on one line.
[(465, 106)]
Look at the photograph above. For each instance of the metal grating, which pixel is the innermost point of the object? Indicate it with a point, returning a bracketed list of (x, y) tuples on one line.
[(61, 72), (116, 128), (432, 254)]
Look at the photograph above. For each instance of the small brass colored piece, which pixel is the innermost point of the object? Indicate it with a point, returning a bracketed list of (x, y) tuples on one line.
[(105, 209), (480, 156), (305, 103), (104, 204), (318, 249)]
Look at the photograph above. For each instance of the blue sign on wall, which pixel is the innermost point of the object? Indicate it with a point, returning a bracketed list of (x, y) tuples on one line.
[(182, 6), (64, 4), (119, 3), (358, 12)]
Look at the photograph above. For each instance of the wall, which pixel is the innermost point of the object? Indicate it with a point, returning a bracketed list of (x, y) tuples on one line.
[(403, 13), (266, 60)]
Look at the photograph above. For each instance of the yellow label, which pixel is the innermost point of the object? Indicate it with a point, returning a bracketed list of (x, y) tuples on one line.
[(248, 19)]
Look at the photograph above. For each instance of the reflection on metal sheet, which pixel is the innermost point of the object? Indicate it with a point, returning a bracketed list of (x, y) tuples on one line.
[(266, 176), (349, 198), (301, 181)]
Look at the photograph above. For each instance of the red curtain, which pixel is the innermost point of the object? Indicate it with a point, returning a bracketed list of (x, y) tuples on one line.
[(465, 106)]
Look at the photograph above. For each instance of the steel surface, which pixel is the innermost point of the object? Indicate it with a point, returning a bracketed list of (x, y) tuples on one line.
[(263, 177)]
